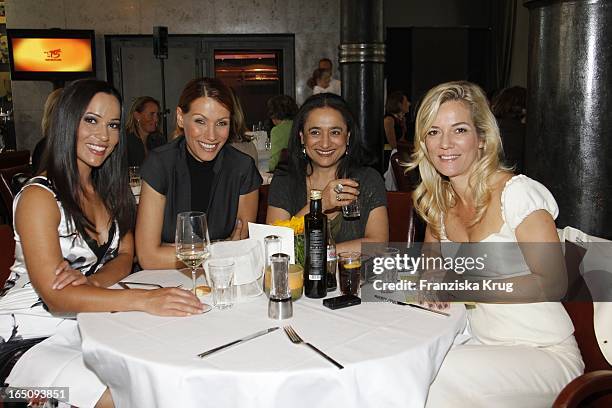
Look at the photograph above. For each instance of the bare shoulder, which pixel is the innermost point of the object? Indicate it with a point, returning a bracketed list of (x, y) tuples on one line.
[(36, 204), (499, 180)]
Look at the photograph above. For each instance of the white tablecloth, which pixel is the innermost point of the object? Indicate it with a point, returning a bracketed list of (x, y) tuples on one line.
[(391, 354)]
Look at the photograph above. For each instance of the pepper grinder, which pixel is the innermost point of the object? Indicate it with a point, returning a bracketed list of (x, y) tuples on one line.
[(280, 305)]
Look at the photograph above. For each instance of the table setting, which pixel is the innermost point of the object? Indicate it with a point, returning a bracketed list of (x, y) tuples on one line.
[(250, 349)]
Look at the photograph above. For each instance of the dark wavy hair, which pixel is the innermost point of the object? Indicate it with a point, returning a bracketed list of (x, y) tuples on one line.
[(299, 163), (110, 180), (282, 107), (394, 102), (213, 88)]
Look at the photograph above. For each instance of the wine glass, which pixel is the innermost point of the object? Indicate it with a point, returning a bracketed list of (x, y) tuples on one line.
[(192, 241)]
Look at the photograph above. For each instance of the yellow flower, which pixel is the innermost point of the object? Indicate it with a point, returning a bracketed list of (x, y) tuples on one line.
[(295, 223)]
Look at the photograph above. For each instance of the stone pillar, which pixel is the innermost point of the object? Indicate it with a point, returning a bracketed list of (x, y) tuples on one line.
[(569, 109), (362, 58)]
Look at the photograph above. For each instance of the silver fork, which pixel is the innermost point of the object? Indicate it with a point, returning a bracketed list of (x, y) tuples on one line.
[(296, 339)]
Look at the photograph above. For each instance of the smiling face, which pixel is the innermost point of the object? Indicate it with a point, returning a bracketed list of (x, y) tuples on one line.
[(98, 131), (206, 127), (452, 140), (147, 119), (324, 136)]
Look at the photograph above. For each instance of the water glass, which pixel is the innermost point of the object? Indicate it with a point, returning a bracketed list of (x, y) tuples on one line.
[(221, 272), (352, 210)]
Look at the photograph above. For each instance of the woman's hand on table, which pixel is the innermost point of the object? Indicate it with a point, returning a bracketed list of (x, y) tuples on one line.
[(172, 302), (333, 196)]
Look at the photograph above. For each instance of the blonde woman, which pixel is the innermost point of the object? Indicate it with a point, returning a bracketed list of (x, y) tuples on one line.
[(142, 129), (517, 354)]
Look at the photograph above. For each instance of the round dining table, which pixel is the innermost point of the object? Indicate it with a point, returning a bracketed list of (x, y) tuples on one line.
[(390, 353)]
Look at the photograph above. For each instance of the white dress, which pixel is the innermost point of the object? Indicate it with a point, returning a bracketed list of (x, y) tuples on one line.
[(56, 361), (517, 355)]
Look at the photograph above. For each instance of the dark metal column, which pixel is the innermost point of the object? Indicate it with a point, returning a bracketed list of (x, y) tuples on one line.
[(569, 109), (362, 57)]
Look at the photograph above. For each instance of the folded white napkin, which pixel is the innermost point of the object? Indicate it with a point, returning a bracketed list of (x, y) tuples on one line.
[(248, 264), (260, 231)]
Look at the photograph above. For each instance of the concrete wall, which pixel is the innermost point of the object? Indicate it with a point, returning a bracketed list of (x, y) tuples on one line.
[(315, 23)]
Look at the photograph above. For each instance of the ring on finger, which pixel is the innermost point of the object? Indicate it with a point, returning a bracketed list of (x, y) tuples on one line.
[(338, 197), (339, 188)]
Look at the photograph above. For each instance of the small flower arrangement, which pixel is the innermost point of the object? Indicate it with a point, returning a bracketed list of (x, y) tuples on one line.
[(297, 225)]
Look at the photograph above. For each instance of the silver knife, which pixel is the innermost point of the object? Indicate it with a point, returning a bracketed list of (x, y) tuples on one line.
[(397, 302), (236, 342)]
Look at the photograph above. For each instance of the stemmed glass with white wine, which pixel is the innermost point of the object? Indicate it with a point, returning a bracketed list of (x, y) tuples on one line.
[(192, 241)]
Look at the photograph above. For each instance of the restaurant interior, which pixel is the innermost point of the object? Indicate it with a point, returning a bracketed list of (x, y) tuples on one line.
[(556, 51)]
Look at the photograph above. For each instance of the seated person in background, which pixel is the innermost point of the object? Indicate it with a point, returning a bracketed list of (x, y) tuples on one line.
[(519, 354), (142, 129), (396, 108), (73, 239), (39, 150), (335, 85), (320, 82), (281, 110), (324, 154), (243, 142), (509, 108), (197, 171)]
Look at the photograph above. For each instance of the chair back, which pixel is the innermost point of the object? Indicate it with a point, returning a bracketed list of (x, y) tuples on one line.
[(404, 181), (402, 220), (11, 181), (7, 248), (12, 158)]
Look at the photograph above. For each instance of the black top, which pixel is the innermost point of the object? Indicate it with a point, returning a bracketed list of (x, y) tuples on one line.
[(202, 171), (135, 148), (290, 195), (166, 171)]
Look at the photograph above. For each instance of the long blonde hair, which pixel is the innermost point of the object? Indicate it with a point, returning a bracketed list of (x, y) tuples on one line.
[(131, 125), (434, 196)]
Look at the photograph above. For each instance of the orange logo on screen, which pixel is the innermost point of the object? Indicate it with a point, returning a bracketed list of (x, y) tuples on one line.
[(52, 54)]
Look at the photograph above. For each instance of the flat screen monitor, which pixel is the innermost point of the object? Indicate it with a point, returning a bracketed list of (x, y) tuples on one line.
[(51, 54)]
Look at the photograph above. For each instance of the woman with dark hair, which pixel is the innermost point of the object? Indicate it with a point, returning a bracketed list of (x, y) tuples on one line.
[(73, 239), (142, 129), (197, 171), (396, 108), (281, 110), (325, 154)]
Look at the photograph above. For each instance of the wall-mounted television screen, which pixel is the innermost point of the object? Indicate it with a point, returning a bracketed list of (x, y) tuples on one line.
[(51, 54)]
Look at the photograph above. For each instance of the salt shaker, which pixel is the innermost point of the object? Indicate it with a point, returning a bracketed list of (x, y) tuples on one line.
[(280, 305)]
